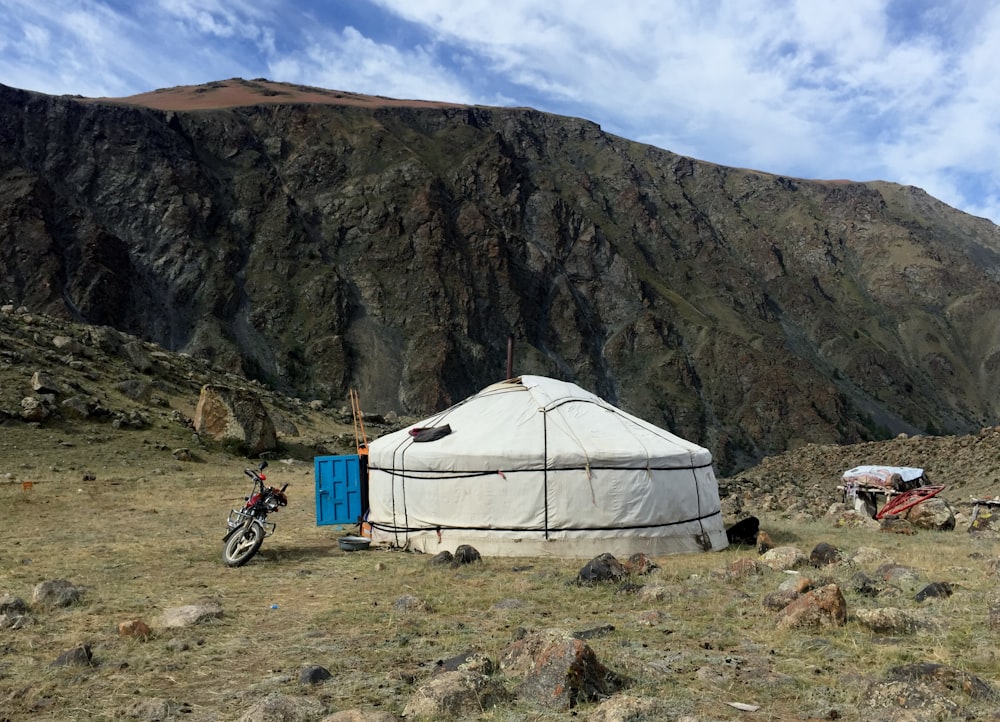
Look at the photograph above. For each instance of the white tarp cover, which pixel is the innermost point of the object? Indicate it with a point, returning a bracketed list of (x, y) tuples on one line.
[(534, 466), (882, 476)]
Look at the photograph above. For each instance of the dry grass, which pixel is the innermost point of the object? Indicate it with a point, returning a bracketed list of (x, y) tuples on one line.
[(146, 535)]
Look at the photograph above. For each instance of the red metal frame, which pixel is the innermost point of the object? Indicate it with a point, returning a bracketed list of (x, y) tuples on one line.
[(908, 500)]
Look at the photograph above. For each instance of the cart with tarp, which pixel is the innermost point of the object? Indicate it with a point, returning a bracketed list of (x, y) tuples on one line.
[(883, 491)]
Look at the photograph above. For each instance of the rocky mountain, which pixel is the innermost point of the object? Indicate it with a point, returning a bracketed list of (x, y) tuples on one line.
[(317, 240)]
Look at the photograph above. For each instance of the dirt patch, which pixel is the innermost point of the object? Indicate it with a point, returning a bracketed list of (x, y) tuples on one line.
[(238, 92)]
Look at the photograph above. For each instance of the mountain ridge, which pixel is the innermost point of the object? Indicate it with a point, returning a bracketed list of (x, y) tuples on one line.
[(396, 248)]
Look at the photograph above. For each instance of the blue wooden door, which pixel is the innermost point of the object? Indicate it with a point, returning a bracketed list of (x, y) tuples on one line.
[(338, 489)]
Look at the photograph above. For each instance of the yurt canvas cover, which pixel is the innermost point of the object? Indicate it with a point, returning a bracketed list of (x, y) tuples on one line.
[(533, 466)]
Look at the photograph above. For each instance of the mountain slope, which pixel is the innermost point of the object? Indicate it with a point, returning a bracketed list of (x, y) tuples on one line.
[(318, 242)]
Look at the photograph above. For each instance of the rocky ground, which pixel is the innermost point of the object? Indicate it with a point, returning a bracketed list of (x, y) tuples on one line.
[(111, 413), (803, 482)]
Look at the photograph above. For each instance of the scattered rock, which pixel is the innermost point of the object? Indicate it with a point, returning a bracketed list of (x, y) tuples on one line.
[(890, 620), (864, 585), (75, 407), (136, 389), (824, 554), (797, 584), (67, 344), (743, 568), (639, 564), (934, 589), (604, 568), (896, 525), (283, 708), (136, 355), (190, 614), (55, 593), (10, 603), (776, 601), (558, 670), (14, 613), (909, 702), (314, 674), (654, 592), (461, 695), (135, 629), (409, 603), (652, 618), (33, 409), (466, 554), (945, 678), (44, 383), (78, 657), (870, 557), (898, 574), (595, 632), (624, 708), (471, 661), (821, 607), (784, 558), (443, 557)]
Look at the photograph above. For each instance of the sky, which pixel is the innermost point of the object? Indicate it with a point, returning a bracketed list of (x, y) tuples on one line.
[(899, 90)]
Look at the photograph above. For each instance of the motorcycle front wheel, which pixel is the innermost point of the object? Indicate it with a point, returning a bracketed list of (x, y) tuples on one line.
[(242, 544)]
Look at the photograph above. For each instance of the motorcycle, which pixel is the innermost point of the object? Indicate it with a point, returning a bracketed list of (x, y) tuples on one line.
[(249, 526)]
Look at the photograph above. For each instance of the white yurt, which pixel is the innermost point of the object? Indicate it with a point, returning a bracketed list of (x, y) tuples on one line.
[(532, 466)]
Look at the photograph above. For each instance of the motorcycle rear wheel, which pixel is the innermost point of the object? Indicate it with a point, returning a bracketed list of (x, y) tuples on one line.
[(242, 544)]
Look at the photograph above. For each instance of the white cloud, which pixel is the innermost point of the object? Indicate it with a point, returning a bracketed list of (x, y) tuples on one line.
[(349, 61), (894, 89)]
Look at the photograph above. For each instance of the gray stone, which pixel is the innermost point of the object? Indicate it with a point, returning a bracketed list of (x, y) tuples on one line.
[(314, 674), (45, 383), (455, 695), (77, 657), (136, 389), (784, 558), (890, 620), (604, 568), (136, 355), (190, 614), (55, 593), (558, 670)]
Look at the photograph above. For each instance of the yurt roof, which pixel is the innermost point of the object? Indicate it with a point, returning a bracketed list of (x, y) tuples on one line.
[(535, 421)]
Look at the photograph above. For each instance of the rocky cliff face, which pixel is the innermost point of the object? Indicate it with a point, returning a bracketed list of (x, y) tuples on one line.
[(394, 249)]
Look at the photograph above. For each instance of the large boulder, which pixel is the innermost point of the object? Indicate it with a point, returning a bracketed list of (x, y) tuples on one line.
[(558, 670), (235, 414), (934, 513)]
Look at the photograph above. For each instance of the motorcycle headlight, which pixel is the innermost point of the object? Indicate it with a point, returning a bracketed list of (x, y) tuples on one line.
[(272, 504)]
